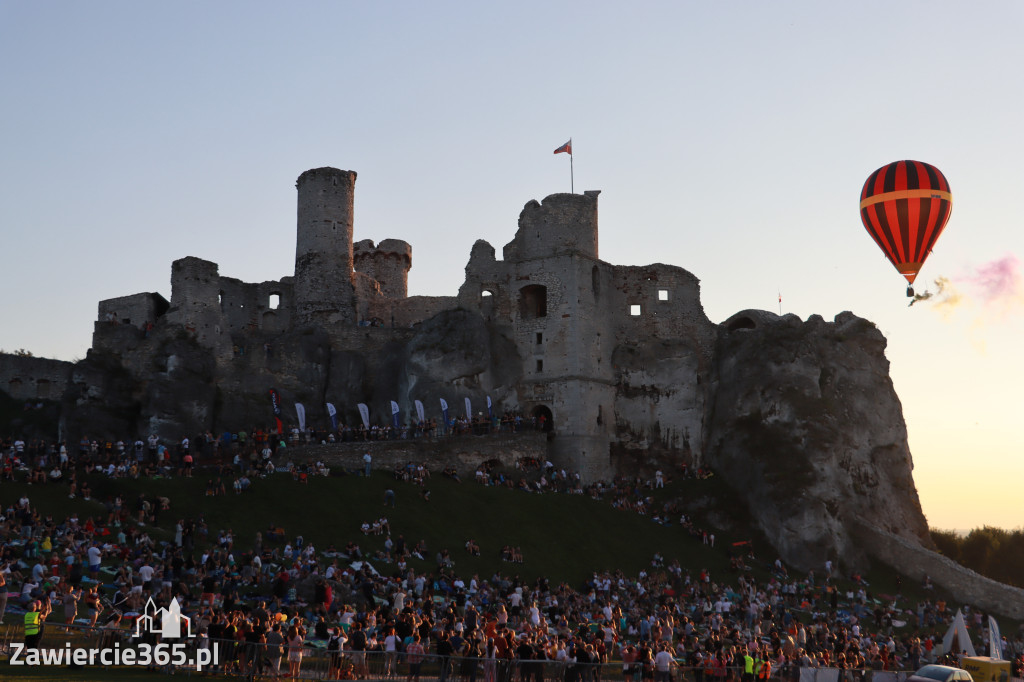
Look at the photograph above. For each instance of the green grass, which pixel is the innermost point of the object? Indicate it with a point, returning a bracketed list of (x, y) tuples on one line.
[(564, 537)]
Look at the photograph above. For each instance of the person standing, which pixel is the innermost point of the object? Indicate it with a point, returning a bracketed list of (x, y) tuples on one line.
[(367, 462), (444, 654), (33, 625), (414, 654), (274, 642), (70, 601), (295, 641)]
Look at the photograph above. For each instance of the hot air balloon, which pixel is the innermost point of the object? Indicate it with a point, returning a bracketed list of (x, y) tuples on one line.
[(905, 206)]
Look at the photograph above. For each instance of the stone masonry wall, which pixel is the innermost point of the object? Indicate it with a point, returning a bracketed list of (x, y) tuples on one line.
[(31, 378), (387, 263), (195, 303), (416, 309), (137, 309), (465, 453), (563, 223), (323, 250), (248, 307)]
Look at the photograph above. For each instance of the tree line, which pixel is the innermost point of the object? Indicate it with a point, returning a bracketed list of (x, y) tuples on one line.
[(992, 552)]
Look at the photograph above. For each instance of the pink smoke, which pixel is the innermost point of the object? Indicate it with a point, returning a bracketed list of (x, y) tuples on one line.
[(997, 285), (999, 280)]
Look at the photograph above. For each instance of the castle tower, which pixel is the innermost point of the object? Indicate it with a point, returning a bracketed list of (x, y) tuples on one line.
[(323, 252), (196, 303), (565, 223), (387, 263)]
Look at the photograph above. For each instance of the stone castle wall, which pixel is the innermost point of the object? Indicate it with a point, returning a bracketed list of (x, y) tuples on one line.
[(564, 223), (388, 264), (30, 378), (137, 310), (465, 453), (249, 307), (196, 304)]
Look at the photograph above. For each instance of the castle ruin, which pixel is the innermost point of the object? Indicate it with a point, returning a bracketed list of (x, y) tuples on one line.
[(569, 314), (621, 362)]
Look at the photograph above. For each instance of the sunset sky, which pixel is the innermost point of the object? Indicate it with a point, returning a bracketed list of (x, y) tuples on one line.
[(730, 139)]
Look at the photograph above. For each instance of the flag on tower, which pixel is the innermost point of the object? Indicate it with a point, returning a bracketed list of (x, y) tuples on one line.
[(566, 148)]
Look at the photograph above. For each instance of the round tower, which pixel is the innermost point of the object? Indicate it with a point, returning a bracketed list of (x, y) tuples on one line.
[(388, 264), (323, 251)]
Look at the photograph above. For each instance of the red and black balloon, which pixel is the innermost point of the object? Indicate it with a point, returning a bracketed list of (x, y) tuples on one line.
[(904, 206)]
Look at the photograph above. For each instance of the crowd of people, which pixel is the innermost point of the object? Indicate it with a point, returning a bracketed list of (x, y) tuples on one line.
[(265, 603)]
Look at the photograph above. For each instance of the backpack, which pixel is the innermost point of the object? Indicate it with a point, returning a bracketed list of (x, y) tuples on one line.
[(334, 644)]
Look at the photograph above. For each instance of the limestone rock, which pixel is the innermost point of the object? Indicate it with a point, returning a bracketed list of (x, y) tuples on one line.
[(807, 428)]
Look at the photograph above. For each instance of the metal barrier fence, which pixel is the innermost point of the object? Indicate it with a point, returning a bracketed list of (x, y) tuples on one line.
[(241, 659)]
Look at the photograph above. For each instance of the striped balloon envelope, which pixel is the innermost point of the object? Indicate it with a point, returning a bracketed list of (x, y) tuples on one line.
[(904, 206)]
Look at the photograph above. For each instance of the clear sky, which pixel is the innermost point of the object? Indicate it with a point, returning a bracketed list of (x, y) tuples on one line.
[(729, 138)]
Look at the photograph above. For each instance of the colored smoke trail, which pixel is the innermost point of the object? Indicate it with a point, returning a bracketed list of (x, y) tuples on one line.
[(997, 285), (998, 281)]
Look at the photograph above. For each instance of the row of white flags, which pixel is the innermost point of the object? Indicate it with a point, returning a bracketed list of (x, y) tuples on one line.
[(364, 412)]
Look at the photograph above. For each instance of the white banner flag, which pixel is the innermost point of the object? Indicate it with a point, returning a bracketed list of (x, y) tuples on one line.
[(364, 412), (995, 640), (301, 411), (419, 411), (469, 410)]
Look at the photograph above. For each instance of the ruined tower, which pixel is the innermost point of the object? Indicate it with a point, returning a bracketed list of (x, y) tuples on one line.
[(324, 293), (196, 303), (388, 264)]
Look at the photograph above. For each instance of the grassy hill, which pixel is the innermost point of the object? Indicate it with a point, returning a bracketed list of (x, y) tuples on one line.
[(564, 537)]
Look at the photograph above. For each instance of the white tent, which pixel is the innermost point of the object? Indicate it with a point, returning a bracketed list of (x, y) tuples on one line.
[(957, 631)]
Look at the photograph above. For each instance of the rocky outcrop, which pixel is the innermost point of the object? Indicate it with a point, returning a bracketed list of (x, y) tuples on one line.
[(807, 428)]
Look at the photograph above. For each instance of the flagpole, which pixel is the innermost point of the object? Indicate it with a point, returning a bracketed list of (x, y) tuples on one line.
[(572, 179)]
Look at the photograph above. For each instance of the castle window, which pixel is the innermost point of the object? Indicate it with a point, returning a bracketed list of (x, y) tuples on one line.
[(533, 301), (540, 338), (540, 365), (486, 293), (274, 301), (662, 294), (634, 309)]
